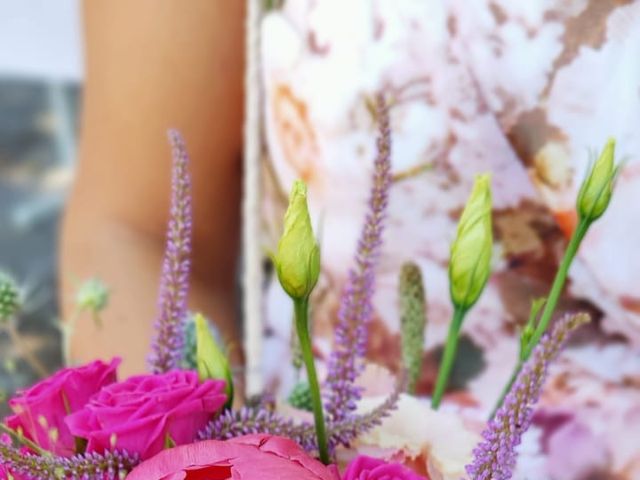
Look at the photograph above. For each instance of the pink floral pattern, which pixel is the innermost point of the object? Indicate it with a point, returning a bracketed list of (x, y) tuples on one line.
[(522, 90)]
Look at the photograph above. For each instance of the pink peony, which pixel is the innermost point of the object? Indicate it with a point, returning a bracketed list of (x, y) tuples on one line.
[(252, 457), (143, 413), (368, 468), (40, 411)]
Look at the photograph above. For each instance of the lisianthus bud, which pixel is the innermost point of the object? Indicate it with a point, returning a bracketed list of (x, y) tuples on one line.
[(469, 266), (10, 297), (93, 296), (298, 259), (212, 363), (595, 192)]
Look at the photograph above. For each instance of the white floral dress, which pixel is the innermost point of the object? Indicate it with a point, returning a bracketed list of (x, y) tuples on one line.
[(524, 90)]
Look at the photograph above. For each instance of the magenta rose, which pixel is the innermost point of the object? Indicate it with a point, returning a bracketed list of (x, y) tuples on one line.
[(252, 457), (40, 411), (143, 413), (368, 468)]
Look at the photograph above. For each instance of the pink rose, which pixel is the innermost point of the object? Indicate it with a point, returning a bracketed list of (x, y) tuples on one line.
[(40, 410), (142, 413), (252, 457), (368, 468)]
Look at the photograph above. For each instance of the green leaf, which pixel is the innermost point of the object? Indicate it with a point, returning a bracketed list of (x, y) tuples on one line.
[(530, 327)]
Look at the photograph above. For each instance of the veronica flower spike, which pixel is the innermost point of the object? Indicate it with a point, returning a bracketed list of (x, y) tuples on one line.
[(168, 342), (356, 304), (469, 269), (495, 456), (297, 263), (413, 321)]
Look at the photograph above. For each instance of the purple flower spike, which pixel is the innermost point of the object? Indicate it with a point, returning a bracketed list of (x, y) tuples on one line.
[(356, 306), (95, 466), (247, 420), (495, 456), (174, 283)]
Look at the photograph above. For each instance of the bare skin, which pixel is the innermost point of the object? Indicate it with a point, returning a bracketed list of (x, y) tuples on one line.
[(152, 65)]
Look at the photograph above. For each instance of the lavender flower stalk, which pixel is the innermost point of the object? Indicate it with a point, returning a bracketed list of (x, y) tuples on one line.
[(108, 466), (345, 431), (495, 456), (167, 345), (356, 307), (248, 420)]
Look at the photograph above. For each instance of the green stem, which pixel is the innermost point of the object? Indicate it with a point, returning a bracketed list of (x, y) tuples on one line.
[(302, 327), (558, 285), (20, 438), (550, 305), (449, 356), (67, 329)]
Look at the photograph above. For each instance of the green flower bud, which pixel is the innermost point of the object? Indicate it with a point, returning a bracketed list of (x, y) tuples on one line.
[(190, 347), (300, 397), (597, 188), (92, 296), (298, 259), (10, 297), (211, 361), (469, 266), (413, 319)]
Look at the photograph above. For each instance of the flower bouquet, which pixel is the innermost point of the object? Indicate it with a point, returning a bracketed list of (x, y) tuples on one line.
[(181, 420)]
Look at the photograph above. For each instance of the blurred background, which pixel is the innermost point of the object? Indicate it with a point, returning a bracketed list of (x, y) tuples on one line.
[(40, 85)]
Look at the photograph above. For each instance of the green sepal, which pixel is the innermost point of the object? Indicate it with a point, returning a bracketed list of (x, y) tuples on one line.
[(169, 442)]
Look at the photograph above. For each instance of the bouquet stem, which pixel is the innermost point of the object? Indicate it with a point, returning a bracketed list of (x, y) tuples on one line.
[(449, 356), (302, 326), (550, 306), (558, 284)]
